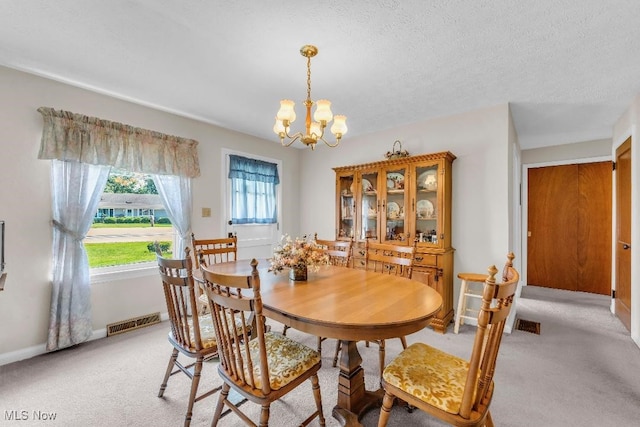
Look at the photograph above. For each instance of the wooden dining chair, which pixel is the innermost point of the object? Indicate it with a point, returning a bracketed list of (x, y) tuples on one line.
[(208, 252), (263, 367), (193, 336), (389, 259), (339, 253), (454, 390), (217, 250)]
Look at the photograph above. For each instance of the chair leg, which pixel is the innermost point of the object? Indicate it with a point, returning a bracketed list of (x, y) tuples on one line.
[(320, 339), (385, 410), (264, 415), (221, 399), (284, 330), (382, 357), (172, 362), (403, 340), (315, 386), (488, 422), (197, 370), (461, 307), (337, 352)]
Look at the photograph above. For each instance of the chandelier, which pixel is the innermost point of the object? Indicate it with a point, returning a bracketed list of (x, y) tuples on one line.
[(314, 130)]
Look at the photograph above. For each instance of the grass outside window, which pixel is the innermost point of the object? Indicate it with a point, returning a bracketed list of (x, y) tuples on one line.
[(118, 253)]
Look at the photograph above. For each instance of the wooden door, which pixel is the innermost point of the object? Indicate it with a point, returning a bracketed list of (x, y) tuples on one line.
[(594, 227), (623, 233), (552, 245), (569, 227)]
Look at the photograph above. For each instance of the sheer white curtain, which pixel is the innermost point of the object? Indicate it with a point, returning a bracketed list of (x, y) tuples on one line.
[(76, 188), (83, 149), (175, 192)]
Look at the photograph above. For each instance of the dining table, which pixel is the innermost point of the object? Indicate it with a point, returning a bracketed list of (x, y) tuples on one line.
[(347, 304)]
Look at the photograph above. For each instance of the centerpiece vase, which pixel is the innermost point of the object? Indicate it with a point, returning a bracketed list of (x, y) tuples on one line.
[(298, 273)]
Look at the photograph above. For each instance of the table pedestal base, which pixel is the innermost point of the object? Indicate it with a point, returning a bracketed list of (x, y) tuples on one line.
[(353, 399)]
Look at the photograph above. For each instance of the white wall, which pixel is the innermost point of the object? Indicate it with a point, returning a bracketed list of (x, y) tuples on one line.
[(568, 152), (25, 203), (481, 204), (625, 127)]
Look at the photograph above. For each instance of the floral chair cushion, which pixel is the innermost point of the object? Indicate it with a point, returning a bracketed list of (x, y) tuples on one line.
[(207, 331), (287, 359), (204, 300), (431, 375)]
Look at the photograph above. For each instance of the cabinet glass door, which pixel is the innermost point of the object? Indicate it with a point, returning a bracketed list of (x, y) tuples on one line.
[(426, 211), (369, 205), (395, 228), (347, 206)]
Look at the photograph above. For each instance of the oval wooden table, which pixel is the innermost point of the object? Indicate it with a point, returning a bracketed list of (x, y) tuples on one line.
[(347, 304)]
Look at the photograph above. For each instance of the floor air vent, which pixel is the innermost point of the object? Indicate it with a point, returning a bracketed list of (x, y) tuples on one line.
[(528, 326), (131, 324)]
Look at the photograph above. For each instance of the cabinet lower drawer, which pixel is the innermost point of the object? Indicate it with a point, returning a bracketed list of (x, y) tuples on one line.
[(425, 260)]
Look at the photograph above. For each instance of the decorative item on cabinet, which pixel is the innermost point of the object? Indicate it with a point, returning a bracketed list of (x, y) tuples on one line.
[(396, 153)]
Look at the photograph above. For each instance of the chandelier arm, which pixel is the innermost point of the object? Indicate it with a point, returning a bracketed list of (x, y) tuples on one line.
[(329, 144), (293, 138)]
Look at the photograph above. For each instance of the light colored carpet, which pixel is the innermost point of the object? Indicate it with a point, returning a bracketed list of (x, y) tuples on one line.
[(582, 370)]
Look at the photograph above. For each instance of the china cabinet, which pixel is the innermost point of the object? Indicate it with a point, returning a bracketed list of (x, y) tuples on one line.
[(402, 201)]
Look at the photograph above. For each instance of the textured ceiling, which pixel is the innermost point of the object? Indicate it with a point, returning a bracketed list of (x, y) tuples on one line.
[(569, 68)]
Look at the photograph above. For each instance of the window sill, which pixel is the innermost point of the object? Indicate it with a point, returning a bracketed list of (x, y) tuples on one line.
[(123, 272)]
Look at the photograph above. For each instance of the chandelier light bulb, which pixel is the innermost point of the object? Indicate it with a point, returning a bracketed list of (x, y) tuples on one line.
[(316, 129), (339, 126), (286, 111), (323, 111), (278, 127)]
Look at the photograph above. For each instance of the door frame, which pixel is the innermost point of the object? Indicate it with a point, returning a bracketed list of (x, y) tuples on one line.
[(631, 132), (525, 202)]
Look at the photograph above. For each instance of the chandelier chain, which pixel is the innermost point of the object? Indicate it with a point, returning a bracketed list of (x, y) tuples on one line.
[(308, 78)]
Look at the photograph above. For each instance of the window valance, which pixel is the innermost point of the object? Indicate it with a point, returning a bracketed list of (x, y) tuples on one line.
[(253, 170), (75, 137)]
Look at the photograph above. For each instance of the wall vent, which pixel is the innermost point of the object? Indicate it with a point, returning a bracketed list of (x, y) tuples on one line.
[(131, 324)]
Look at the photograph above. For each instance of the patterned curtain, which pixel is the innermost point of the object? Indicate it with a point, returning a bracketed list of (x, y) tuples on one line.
[(82, 150), (69, 136)]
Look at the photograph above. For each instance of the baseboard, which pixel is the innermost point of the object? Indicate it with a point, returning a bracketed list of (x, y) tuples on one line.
[(22, 354), (37, 350)]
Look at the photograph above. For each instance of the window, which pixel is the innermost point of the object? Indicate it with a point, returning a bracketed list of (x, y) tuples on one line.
[(129, 219), (253, 190)]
